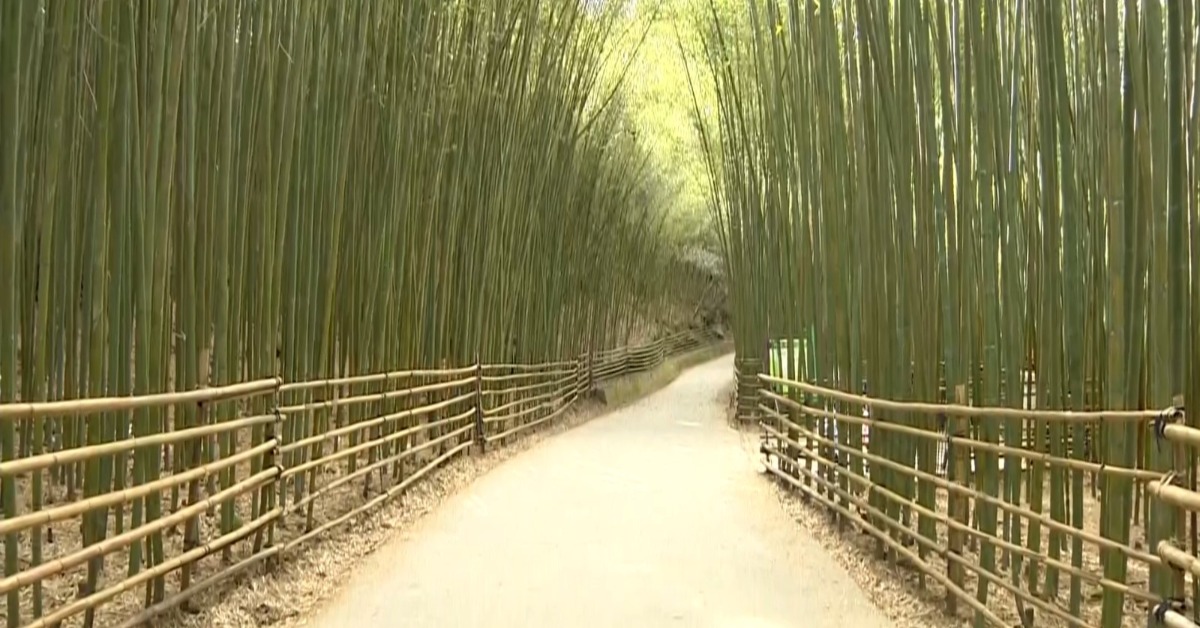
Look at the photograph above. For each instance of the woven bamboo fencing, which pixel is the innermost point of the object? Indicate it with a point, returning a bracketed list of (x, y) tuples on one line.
[(143, 519)]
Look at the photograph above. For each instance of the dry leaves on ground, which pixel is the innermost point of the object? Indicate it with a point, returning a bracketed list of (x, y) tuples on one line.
[(287, 596)]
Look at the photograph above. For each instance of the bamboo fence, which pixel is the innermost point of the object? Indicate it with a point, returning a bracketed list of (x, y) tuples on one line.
[(291, 462), (817, 440), (1184, 503)]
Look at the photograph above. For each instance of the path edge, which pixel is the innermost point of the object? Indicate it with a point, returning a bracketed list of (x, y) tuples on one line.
[(629, 389), (295, 590)]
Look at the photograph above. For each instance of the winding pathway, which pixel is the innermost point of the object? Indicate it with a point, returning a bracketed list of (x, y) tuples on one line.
[(653, 515)]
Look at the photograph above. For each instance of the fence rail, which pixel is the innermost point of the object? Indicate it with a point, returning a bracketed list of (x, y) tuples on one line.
[(979, 500), (183, 476)]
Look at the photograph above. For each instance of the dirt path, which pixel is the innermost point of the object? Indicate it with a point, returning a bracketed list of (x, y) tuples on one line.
[(651, 516)]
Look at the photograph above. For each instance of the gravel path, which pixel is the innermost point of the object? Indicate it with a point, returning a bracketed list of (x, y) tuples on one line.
[(654, 515)]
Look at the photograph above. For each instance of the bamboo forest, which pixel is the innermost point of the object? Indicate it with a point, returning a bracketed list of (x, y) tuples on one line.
[(279, 276)]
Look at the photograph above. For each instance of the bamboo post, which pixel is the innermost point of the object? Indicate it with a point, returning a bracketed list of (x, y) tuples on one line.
[(581, 373), (795, 456), (1181, 459), (274, 491), (747, 388), (191, 534), (591, 371), (480, 426), (956, 467)]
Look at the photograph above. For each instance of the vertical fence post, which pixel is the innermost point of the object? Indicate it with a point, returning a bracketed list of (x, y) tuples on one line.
[(591, 370), (956, 468), (480, 426), (581, 376), (274, 492), (796, 456), (191, 527), (1181, 468), (747, 388)]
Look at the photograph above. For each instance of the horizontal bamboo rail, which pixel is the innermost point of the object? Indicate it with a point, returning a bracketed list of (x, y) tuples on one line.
[(380, 499), (909, 534), (406, 453), (500, 410), (1039, 518), (374, 378), (377, 421), (66, 511), (92, 452), (276, 456), (1181, 504), (1178, 558), (1174, 619), (526, 376), (527, 426), (841, 449), (221, 576), (77, 407), (950, 440), (61, 565), (208, 549), (345, 453), (945, 520), (545, 366), (950, 409), (389, 395)]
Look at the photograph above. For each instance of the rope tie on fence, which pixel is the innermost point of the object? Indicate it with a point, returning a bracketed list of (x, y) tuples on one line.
[(274, 428), (1160, 610), (1169, 415), (1168, 480)]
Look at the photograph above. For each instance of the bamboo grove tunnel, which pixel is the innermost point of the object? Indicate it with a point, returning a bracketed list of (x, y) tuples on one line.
[(256, 255), (269, 267)]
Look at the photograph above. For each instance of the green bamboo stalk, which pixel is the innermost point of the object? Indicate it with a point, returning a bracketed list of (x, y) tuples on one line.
[(229, 192), (13, 25)]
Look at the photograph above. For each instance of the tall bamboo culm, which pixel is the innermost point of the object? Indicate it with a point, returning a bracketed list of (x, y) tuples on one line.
[(993, 204), (196, 194)]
